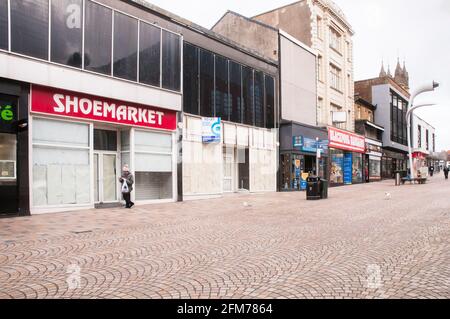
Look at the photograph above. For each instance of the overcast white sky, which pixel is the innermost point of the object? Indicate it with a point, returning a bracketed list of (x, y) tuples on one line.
[(418, 31)]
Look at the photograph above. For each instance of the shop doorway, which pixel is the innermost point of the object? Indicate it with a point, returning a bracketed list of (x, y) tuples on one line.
[(105, 174), (243, 169), (228, 169), (105, 166), (8, 174)]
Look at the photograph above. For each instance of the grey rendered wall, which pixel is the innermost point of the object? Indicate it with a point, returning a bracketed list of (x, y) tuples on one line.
[(298, 83), (251, 34)]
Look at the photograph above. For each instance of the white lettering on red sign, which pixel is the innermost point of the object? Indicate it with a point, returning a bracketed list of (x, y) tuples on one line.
[(45, 100), (347, 141), (70, 104)]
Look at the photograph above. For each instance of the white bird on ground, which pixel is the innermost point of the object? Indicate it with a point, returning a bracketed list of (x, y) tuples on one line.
[(388, 196)]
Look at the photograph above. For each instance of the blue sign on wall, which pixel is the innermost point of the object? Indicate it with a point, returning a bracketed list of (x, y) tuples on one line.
[(309, 145), (211, 130), (348, 168)]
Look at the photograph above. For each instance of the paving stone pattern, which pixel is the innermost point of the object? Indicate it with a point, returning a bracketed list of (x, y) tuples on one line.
[(357, 244)]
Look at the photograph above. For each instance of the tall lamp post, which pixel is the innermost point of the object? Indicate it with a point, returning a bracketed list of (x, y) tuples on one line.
[(411, 108)]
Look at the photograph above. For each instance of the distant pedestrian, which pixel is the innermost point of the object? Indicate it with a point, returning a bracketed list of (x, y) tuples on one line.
[(127, 181), (431, 169), (446, 170)]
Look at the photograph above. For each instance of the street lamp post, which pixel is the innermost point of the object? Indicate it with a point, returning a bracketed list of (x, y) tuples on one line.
[(411, 108)]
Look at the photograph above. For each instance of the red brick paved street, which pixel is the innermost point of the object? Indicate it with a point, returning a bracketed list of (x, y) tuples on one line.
[(357, 244)]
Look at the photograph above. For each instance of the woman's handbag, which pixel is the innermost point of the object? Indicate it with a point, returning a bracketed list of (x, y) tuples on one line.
[(125, 188)]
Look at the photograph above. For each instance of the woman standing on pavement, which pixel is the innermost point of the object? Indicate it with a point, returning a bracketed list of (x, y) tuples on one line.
[(446, 170), (127, 181)]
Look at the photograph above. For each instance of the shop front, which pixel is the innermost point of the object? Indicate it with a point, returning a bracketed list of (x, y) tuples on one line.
[(79, 143), (346, 157), (393, 161), (298, 154), (14, 196), (420, 161), (372, 162)]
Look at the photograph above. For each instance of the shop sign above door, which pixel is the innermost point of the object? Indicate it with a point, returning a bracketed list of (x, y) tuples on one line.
[(347, 141), (57, 102), (211, 130), (309, 145), (8, 116)]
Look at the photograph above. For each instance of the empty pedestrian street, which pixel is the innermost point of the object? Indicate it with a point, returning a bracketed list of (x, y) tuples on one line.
[(366, 241)]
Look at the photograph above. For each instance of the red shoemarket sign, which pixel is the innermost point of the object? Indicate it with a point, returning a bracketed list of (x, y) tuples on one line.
[(45, 100), (347, 141)]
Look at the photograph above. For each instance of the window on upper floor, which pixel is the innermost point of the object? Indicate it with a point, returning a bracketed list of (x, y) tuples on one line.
[(335, 77), (66, 32), (320, 72), (215, 86), (171, 61), (150, 54), (54, 31), (419, 136), (434, 143), (98, 38), (29, 27), (349, 51), (335, 40), (427, 140), (319, 27), (4, 24), (125, 47)]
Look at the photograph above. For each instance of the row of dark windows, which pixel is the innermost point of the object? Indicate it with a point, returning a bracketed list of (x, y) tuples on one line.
[(111, 40), (399, 127), (215, 86)]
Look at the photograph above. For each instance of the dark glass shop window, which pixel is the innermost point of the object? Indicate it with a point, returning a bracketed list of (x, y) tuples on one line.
[(105, 140), (247, 96), (206, 84), (97, 38), (149, 54), (221, 95), (171, 61), (270, 101), (66, 32), (190, 79), (4, 24), (29, 28), (259, 99), (125, 47), (235, 92)]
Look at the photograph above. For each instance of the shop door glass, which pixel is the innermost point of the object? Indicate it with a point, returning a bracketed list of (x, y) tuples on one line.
[(109, 178), (228, 156), (244, 166), (8, 174), (105, 188), (97, 178)]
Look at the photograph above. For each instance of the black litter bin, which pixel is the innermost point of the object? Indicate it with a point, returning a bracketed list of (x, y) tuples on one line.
[(313, 189), (323, 189)]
